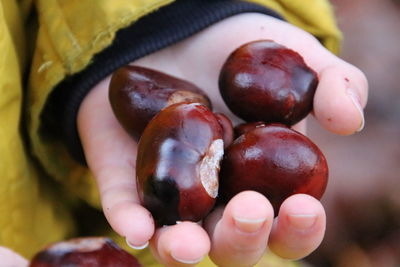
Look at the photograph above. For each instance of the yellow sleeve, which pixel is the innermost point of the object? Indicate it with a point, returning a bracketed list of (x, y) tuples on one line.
[(30, 214), (70, 33)]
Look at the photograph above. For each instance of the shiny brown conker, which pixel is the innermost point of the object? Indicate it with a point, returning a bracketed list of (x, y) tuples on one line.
[(275, 161), (265, 81), (84, 252), (137, 94), (178, 162)]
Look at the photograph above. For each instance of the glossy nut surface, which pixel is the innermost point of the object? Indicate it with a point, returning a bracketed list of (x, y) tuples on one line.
[(84, 252), (137, 94), (246, 127), (275, 161), (227, 128), (178, 162), (265, 81)]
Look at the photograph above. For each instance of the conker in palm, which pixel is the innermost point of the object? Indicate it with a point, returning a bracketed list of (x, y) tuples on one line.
[(266, 81), (275, 161), (178, 162), (137, 94)]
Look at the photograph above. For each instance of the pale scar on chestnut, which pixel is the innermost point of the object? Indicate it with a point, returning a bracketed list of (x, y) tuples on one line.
[(210, 166)]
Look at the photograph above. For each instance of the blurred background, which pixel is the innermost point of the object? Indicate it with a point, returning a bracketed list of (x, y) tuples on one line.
[(363, 194)]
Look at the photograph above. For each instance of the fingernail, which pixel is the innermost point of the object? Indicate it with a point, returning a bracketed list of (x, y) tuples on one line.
[(137, 247), (357, 103), (249, 225), (186, 261), (302, 221)]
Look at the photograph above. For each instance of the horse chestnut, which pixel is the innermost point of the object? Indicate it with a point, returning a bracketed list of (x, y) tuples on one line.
[(137, 94), (84, 252), (178, 163), (275, 161), (265, 81)]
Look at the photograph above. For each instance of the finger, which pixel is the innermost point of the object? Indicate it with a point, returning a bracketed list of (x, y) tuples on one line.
[(183, 244), (340, 98), (342, 91), (299, 227), (111, 156), (11, 258), (239, 238)]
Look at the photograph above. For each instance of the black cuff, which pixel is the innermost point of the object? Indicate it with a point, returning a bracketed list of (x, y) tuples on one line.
[(153, 32)]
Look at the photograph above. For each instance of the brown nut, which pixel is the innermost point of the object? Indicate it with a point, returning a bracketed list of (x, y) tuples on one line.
[(178, 162), (265, 81), (137, 94), (84, 252), (275, 161)]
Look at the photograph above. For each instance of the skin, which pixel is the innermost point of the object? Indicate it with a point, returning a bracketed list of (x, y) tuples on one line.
[(238, 234), (10, 258)]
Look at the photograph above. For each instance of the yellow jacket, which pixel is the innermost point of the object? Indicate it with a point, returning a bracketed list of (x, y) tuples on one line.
[(42, 42)]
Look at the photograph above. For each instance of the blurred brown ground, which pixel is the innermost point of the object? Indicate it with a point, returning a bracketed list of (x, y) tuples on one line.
[(363, 194)]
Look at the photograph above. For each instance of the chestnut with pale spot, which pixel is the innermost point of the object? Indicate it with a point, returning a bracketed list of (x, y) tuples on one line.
[(266, 81), (275, 161), (137, 94), (178, 163)]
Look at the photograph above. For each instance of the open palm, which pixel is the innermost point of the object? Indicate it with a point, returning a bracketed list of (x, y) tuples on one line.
[(238, 234)]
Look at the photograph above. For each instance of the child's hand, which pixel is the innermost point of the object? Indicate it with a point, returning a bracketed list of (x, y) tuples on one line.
[(238, 234), (11, 258)]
